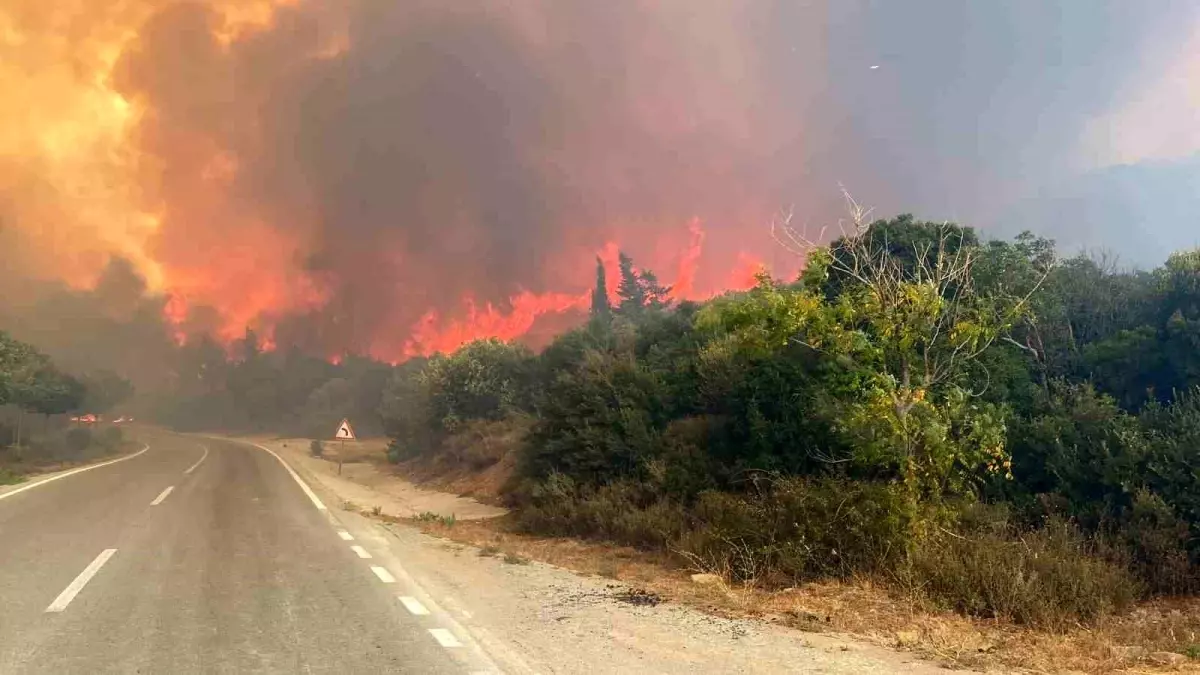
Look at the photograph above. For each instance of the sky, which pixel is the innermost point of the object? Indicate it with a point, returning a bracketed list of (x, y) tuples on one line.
[(394, 179)]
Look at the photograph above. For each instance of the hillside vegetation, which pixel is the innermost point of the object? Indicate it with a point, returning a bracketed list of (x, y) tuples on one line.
[(1002, 432)]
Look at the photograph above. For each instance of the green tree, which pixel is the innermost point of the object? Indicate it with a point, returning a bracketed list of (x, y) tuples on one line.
[(105, 391), (639, 290), (630, 290), (910, 329), (600, 306)]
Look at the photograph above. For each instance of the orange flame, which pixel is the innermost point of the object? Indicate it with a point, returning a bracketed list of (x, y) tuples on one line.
[(430, 336), (685, 280)]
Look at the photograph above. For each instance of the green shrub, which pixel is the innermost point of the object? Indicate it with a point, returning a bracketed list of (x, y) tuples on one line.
[(1050, 577), (10, 477), (398, 451), (110, 439), (1170, 467), (1081, 446), (1153, 542), (77, 441), (599, 423), (316, 448)]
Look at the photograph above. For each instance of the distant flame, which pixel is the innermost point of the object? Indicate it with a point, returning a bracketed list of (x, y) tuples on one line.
[(431, 336), (685, 281), (744, 275)]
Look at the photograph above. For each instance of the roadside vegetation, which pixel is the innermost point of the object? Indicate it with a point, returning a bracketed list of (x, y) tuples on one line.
[(976, 424), (36, 396)]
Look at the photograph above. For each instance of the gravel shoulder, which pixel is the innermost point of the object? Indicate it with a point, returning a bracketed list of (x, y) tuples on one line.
[(532, 617), (364, 485)]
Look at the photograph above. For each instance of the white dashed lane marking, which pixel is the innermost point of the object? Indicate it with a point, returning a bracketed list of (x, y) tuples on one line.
[(161, 496), (60, 603), (346, 536), (384, 575), (414, 606), (362, 552), (444, 637)]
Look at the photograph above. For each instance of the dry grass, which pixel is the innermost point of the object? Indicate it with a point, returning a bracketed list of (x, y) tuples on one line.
[(475, 462), (872, 611)]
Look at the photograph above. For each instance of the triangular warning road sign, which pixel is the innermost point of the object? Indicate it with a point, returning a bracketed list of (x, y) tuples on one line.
[(344, 432)]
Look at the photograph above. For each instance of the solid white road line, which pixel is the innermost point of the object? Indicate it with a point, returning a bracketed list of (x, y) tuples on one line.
[(199, 461), (362, 552), (72, 472), (384, 575), (414, 606), (161, 496), (444, 637), (60, 603), (346, 536), (303, 486)]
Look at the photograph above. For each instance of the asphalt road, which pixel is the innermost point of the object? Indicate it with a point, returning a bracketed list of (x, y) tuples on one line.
[(235, 569)]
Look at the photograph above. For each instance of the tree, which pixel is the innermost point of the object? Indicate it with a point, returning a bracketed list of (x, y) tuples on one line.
[(19, 364), (30, 381), (484, 379), (908, 328), (105, 391), (630, 290), (600, 306), (656, 295), (639, 290)]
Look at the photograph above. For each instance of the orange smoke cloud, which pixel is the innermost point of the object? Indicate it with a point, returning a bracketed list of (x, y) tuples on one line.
[(65, 137), (335, 177)]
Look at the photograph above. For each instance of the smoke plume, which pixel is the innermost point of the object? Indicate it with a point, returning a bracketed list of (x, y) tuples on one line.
[(397, 178)]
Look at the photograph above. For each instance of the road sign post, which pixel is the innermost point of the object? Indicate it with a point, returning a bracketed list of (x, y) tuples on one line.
[(344, 432)]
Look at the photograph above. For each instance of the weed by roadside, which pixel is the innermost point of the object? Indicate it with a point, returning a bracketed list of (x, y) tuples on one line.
[(514, 559), (10, 477), (431, 517)]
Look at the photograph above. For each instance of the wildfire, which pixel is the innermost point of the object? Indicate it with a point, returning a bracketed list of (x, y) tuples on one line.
[(685, 281), (106, 158), (431, 337)]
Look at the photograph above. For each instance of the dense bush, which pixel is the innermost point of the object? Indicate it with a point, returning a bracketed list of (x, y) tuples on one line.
[(857, 420), (426, 401), (600, 422), (1078, 446), (77, 440), (110, 439)]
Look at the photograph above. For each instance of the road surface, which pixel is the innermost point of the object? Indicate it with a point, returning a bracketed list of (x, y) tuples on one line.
[(203, 556)]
